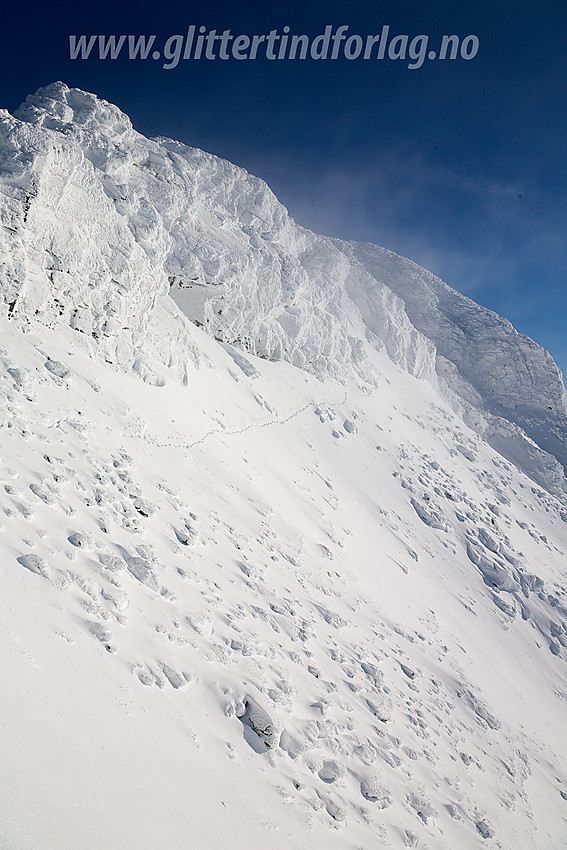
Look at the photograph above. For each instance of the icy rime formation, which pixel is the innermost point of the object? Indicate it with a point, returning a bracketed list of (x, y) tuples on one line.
[(100, 222), (243, 606)]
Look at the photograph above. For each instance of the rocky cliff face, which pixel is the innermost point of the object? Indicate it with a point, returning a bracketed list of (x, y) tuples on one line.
[(100, 226)]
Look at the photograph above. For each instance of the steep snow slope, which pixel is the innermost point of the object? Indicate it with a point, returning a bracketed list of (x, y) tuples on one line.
[(247, 604), (258, 611), (99, 222)]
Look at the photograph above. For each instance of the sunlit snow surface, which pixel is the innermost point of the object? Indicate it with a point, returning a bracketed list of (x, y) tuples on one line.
[(252, 605)]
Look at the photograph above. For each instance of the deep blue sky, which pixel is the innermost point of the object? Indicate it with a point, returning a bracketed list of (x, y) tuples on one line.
[(458, 165)]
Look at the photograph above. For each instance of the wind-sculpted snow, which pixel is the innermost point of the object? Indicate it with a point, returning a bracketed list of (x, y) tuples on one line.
[(99, 224), (494, 372)]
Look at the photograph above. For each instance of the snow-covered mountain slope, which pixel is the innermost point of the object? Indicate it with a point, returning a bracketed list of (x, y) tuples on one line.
[(257, 611), (247, 604), (100, 222)]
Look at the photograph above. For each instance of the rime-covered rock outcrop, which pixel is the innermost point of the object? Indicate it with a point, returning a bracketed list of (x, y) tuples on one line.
[(100, 226)]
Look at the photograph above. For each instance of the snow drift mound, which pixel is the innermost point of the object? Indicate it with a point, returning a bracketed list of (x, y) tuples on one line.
[(100, 223)]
